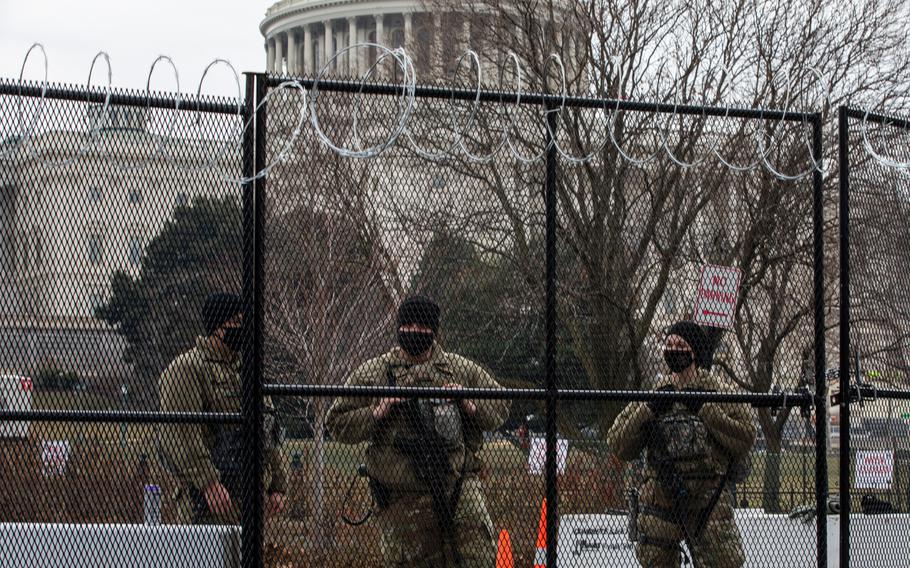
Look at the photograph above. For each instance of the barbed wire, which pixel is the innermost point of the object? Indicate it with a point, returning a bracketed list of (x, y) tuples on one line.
[(765, 140)]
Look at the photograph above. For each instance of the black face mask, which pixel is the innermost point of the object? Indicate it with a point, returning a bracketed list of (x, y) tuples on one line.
[(415, 343), (678, 361), (233, 338)]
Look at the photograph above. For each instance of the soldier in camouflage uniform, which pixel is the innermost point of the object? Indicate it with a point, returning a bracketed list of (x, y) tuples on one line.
[(207, 458), (412, 532), (691, 453)]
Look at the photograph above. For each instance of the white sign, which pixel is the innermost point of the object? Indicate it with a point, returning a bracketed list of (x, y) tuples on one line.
[(537, 459), (594, 540), (54, 456), (718, 291), (874, 470)]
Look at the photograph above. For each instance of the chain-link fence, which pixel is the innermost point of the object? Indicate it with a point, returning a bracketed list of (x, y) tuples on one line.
[(551, 412), (872, 412)]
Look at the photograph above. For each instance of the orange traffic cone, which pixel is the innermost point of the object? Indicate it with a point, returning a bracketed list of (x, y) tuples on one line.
[(540, 554), (504, 551)]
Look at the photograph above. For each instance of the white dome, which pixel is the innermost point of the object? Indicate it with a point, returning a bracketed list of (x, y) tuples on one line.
[(297, 42)]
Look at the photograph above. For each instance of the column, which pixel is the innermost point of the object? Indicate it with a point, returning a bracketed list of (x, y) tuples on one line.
[(576, 53), (341, 64), (327, 49), (437, 41), (292, 52), (270, 55), (353, 55), (408, 33), (380, 39), (466, 33), (307, 66), (279, 54), (559, 48), (380, 29), (363, 59)]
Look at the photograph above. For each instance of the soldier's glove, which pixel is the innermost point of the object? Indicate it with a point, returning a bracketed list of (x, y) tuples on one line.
[(693, 405), (661, 407)]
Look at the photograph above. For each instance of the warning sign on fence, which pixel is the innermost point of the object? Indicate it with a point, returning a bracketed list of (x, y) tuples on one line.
[(874, 470), (718, 291), (55, 454)]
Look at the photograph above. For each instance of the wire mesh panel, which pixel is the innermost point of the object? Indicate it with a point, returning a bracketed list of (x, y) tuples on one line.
[(457, 329), (879, 201), (349, 245), (118, 223), (348, 239), (873, 427), (648, 245)]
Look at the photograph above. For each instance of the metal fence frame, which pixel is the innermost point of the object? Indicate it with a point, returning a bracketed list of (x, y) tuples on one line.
[(552, 394), (850, 392), (253, 200)]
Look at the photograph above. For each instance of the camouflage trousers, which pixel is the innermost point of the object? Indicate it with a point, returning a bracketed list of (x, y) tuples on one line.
[(411, 535), (719, 545)]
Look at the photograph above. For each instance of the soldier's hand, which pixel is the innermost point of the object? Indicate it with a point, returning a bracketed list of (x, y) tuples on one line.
[(693, 405), (661, 407), (384, 407), (276, 503), (218, 499), (467, 406)]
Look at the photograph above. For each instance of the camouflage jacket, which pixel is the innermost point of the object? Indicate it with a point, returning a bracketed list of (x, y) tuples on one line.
[(350, 419), (728, 433), (205, 380)]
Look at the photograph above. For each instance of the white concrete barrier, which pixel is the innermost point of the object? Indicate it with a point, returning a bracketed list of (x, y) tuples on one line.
[(34, 545), (769, 541)]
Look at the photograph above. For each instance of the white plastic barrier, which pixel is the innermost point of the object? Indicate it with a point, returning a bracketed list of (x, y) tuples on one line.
[(772, 541), (33, 545)]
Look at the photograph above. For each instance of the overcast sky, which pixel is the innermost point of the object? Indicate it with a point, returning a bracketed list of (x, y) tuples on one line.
[(134, 33)]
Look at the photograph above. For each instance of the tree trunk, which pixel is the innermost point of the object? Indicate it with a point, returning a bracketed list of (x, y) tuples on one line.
[(771, 488), (318, 522), (773, 428)]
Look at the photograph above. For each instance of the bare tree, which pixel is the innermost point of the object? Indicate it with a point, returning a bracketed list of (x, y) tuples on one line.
[(880, 201), (332, 291), (632, 230)]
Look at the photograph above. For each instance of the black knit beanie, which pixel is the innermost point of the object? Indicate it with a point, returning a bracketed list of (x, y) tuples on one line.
[(218, 309), (419, 310)]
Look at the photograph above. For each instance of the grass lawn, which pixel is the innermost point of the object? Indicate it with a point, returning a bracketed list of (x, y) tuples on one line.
[(137, 435), (797, 469)]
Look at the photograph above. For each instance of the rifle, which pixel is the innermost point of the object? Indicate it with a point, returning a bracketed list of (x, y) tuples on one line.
[(428, 453), (430, 457), (672, 484)]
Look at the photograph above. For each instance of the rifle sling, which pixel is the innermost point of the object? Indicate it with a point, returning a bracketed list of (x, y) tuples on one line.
[(443, 509)]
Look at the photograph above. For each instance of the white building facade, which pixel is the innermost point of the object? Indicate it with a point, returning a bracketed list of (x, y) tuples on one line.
[(65, 230), (303, 36), (74, 226)]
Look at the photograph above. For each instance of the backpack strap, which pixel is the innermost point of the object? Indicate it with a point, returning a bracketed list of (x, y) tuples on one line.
[(390, 376), (709, 508)]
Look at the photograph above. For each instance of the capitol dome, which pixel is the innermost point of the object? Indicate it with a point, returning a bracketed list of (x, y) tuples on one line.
[(303, 35)]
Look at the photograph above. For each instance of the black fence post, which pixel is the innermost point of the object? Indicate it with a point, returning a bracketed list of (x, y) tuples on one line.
[(550, 204), (251, 513), (821, 416), (844, 367)]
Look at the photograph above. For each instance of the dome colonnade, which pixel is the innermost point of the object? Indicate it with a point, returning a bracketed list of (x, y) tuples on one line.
[(302, 36)]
